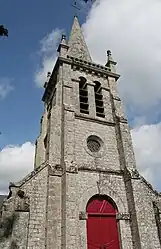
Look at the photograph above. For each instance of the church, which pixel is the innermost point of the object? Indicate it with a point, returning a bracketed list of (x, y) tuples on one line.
[(85, 191)]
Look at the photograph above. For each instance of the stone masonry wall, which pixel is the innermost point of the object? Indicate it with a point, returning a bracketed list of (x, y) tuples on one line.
[(108, 159), (40, 149), (54, 213), (80, 188), (36, 189), (144, 198)]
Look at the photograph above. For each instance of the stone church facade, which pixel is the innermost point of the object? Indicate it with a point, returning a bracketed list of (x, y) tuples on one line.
[(85, 191)]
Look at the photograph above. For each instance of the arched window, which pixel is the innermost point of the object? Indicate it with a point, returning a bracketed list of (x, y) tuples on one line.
[(102, 227), (83, 96), (99, 100)]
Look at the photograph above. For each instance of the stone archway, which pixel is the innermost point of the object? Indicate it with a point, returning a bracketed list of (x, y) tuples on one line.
[(102, 227)]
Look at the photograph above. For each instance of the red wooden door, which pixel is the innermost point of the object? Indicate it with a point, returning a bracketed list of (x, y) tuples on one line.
[(102, 231)]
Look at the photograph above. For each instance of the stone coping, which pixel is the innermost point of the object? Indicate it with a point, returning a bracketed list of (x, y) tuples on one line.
[(30, 175)]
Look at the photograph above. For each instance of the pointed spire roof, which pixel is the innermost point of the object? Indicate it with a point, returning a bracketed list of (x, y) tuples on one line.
[(77, 45)]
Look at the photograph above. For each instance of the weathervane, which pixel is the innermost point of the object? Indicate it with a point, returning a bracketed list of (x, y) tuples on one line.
[(74, 5)]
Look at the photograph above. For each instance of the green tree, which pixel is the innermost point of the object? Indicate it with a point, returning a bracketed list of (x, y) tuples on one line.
[(3, 31)]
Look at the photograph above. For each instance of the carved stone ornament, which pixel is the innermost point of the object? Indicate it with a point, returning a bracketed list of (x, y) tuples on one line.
[(23, 205), (21, 193), (134, 174), (22, 202), (123, 216), (157, 207), (121, 119), (73, 168), (55, 170), (83, 216)]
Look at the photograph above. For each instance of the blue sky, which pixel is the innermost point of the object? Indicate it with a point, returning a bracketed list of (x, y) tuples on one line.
[(128, 28), (28, 22)]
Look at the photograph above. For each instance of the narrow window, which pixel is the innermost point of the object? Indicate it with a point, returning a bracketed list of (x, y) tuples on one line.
[(46, 141), (83, 96), (99, 100), (158, 220)]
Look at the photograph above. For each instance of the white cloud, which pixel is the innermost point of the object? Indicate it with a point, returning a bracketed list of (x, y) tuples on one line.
[(15, 163), (147, 145), (5, 87), (131, 30), (48, 54)]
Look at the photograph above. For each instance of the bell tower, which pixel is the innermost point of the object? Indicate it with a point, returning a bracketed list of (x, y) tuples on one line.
[(85, 191), (86, 141)]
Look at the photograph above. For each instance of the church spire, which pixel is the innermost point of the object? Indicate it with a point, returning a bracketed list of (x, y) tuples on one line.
[(77, 45)]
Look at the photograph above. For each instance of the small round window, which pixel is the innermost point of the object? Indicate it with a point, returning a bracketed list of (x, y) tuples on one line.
[(94, 144)]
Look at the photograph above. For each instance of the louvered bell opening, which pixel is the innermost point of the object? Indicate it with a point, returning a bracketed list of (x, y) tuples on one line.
[(99, 100), (83, 97)]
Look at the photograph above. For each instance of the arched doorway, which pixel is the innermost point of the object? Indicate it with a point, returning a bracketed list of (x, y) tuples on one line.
[(102, 228)]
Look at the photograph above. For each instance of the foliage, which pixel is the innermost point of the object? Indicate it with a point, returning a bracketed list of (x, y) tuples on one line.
[(6, 226), (3, 31), (86, 1)]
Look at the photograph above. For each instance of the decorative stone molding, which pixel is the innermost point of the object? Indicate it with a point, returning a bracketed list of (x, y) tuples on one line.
[(21, 193), (55, 170), (90, 168), (90, 66), (83, 216), (123, 216), (134, 174), (158, 205), (94, 120), (73, 168), (68, 108), (102, 147), (121, 119), (106, 88), (22, 202), (116, 98)]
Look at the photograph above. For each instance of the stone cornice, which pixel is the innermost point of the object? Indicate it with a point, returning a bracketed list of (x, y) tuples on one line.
[(95, 120), (100, 170), (78, 64), (123, 216), (90, 66)]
